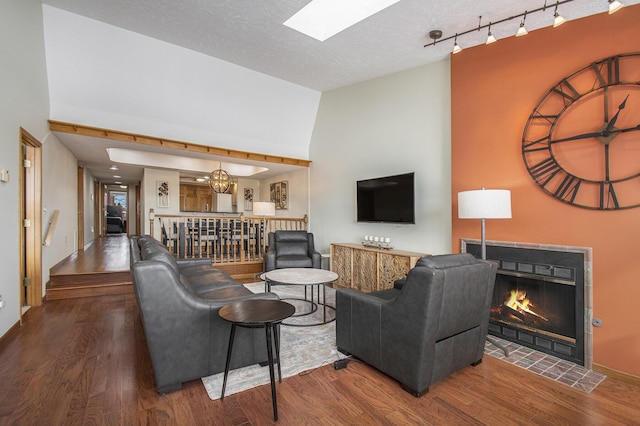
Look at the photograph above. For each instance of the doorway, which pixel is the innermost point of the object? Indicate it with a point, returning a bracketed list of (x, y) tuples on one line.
[(117, 209), (30, 208)]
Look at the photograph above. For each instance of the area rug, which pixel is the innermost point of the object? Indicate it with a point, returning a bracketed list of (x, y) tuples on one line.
[(301, 348)]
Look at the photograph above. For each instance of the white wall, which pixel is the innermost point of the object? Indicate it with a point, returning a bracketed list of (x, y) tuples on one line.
[(148, 197), (298, 188), (104, 76), (24, 103), (391, 125), (59, 192)]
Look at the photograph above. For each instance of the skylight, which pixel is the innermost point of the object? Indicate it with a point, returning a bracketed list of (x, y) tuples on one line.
[(322, 19)]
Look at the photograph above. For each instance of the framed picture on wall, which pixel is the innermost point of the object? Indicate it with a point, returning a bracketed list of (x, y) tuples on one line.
[(279, 194), (163, 193), (248, 199)]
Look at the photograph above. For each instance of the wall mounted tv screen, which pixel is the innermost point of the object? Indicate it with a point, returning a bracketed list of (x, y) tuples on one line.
[(389, 199)]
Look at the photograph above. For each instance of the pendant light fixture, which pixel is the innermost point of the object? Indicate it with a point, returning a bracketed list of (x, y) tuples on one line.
[(220, 180)]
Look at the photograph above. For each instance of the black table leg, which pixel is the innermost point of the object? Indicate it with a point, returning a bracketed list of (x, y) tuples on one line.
[(276, 336), (324, 301), (226, 367), (268, 327)]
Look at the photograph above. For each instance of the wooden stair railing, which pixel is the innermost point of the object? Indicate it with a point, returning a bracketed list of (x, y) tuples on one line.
[(224, 239)]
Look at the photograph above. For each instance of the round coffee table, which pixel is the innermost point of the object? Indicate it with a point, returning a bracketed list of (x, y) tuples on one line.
[(255, 313), (307, 277)]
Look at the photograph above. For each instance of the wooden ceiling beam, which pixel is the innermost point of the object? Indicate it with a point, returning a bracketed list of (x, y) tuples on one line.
[(117, 135)]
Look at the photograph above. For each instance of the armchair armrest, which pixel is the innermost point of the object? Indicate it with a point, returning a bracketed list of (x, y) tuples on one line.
[(358, 321), (316, 260), (270, 260)]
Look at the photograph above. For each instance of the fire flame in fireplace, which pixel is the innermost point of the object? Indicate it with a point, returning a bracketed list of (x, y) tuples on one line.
[(518, 301)]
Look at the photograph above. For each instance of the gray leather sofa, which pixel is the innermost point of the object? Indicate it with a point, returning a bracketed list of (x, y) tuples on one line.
[(179, 302), (291, 249), (434, 324)]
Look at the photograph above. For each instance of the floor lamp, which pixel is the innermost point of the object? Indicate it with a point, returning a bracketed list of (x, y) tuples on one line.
[(264, 209), (485, 204)]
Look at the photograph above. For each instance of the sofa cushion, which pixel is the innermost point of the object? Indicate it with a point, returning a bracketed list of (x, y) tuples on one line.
[(296, 248), (160, 256), (206, 280)]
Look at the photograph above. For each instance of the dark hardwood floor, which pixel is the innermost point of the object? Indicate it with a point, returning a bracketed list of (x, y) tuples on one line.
[(85, 361)]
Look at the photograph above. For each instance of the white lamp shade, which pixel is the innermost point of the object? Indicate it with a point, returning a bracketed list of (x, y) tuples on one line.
[(484, 204), (264, 208)]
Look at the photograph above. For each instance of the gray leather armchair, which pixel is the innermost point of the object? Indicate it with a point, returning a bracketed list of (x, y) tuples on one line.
[(433, 325), (291, 249)]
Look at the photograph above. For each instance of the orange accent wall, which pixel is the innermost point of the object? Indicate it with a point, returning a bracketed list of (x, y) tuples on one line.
[(493, 90)]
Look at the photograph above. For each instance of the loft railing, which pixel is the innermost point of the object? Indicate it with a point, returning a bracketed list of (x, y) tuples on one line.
[(223, 239)]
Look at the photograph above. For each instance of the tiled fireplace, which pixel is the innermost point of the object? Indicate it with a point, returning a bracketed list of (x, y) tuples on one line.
[(542, 297)]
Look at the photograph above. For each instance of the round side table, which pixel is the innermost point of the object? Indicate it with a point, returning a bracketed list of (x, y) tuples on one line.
[(258, 313)]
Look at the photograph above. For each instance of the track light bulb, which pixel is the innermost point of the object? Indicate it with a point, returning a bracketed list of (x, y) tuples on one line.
[(614, 6), (456, 46), (558, 19), (490, 37), (522, 30)]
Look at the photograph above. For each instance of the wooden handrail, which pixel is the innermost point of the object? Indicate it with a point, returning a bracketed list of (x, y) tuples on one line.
[(52, 228), (222, 238)]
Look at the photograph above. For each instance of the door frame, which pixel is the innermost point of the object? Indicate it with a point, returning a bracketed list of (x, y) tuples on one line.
[(30, 207)]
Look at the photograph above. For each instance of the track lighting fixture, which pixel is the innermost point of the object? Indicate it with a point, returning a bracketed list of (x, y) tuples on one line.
[(436, 35), (557, 18), (522, 30), (614, 6)]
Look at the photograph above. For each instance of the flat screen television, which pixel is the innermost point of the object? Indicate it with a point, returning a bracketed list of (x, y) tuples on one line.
[(389, 199)]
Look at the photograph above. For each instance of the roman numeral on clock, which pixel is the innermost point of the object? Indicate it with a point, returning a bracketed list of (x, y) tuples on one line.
[(608, 71), (549, 171), (608, 194), (568, 188), (567, 91), (545, 170)]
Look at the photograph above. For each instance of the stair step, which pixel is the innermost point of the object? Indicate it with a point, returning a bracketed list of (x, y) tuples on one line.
[(89, 278), (58, 292)]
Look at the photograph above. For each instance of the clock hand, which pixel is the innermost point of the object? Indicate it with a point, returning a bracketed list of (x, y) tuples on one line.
[(576, 137), (615, 117), (603, 133), (628, 129)]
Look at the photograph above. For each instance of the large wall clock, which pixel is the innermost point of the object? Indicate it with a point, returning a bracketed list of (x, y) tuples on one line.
[(581, 143)]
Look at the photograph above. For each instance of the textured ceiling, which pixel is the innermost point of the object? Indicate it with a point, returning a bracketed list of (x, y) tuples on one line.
[(250, 33)]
